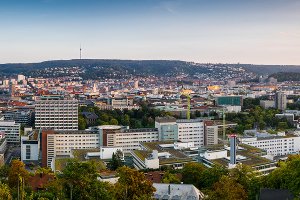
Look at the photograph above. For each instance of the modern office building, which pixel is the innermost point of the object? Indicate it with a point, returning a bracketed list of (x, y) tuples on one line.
[(167, 128), (56, 112), (229, 100), (280, 101), (24, 117), (30, 147), (11, 130)]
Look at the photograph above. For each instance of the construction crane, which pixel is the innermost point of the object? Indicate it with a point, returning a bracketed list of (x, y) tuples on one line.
[(187, 93), (224, 125)]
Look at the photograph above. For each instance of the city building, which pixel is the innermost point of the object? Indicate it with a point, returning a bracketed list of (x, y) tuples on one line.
[(211, 133), (275, 145), (176, 191), (280, 100), (184, 130), (90, 118), (11, 130), (229, 100), (128, 139), (267, 104), (56, 112), (30, 147), (243, 154), (24, 117), (155, 155), (61, 142)]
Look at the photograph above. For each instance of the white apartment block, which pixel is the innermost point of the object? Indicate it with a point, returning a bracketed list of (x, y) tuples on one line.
[(55, 112), (191, 131), (276, 145), (11, 130)]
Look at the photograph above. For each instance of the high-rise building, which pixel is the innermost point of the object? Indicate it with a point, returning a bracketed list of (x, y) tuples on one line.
[(56, 112), (210, 133), (280, 100)]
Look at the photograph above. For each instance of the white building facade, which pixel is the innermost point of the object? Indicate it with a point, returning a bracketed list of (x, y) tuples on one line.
[(11, 130), (276, 145)]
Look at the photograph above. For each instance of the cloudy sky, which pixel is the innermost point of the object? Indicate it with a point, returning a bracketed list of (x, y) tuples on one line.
[(226, 31)]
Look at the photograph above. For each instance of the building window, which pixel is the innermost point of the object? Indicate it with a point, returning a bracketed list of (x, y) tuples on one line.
[(28, 152)]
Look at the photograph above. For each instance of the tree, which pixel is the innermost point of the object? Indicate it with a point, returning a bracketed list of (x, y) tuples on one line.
[(16, 172), (5, 192), (18, 177), (248, 178), (227, 189), (116, 160), (192, 174), (286, 176), (113, 122), (170, 178), (81, 123), (133, 185), (79, 181)]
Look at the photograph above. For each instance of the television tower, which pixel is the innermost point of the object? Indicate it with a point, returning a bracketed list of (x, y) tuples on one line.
[(80, 52)]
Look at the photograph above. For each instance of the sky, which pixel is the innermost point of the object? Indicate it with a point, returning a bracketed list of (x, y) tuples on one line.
[(204, 31)]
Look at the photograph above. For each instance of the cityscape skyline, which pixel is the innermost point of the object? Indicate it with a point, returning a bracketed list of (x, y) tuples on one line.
[(256, 32)]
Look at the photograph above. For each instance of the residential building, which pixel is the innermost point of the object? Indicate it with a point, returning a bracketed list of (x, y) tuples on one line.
[(56, 112), (280, 100), (90, 118)]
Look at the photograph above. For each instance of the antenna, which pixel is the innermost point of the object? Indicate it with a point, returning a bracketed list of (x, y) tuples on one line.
[(80, 52)]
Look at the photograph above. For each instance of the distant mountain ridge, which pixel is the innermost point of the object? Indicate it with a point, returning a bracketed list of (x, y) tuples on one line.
[(93, 68)]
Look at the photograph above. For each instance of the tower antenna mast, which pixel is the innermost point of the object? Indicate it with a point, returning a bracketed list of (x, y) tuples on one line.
[(80, 52)]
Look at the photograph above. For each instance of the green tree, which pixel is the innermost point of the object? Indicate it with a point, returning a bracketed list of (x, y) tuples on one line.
[(5, 192), (170, 178), (113, 122), (286, 176), (192, 174), (227, 189), (133, 185), (81, 123), (78, 180), (116, 160)]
